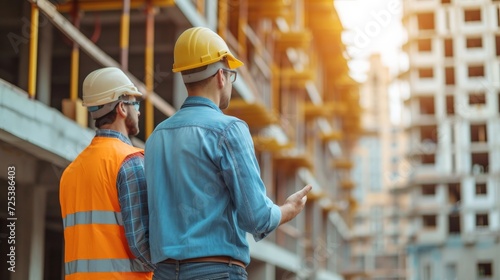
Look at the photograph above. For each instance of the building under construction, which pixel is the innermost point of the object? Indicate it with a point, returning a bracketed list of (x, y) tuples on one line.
[(454, 119), (294, 92)]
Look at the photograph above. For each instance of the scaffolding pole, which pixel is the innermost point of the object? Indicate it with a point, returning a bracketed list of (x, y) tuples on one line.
[(35, 13), (124, 34), (75, 57), (149, 67)]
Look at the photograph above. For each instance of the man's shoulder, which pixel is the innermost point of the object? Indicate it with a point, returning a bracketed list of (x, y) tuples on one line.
[(205, 119)]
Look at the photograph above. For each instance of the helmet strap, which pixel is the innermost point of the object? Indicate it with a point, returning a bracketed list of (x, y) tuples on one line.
[(100, 111), (201, 75)]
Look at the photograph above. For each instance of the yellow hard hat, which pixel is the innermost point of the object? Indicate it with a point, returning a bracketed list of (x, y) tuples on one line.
[(103, 87), (200, 46)]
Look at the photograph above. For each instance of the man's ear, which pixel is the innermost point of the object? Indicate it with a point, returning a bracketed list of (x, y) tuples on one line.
[(120, 110), (220, 78)]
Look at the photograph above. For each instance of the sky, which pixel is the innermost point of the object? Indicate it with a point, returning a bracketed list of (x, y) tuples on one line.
[(371, 26), (374, 26)]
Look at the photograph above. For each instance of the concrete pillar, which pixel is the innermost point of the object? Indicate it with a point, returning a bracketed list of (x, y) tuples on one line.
[(30, 232)]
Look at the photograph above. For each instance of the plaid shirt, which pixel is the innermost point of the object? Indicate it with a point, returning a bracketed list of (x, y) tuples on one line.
[(133, 198)]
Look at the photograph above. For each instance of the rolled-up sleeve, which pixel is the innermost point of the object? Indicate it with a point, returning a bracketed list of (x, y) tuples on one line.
[(257, 214)]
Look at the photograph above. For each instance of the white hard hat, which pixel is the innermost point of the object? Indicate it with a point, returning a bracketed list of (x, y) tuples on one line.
[(103, 87)]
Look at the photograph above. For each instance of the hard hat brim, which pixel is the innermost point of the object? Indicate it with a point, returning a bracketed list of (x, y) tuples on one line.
[(233, 63)]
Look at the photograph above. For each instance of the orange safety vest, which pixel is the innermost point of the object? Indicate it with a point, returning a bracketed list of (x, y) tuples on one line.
[(95, 244)]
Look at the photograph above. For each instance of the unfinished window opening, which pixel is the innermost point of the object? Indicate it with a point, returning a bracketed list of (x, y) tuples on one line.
[(429, 221), (425, 21), (449, 75), (428, 159), (485, 269), (429, 189), (498, 15), (472, 43), (450, 105), (454, 195), (497, 41), (482, 220), (481, 189), (454, 224), (477, 99), (480, 163), (424, 73), (472, 15), (424, 45), (448, 47), (426, 105), (478, 133), (428, 133), (476, 71)]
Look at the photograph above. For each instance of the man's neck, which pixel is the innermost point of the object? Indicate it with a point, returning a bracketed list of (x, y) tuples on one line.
[(116, 127)]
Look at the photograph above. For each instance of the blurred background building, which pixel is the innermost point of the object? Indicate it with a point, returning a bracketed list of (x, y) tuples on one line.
[(377, 236), (453, 114), (294, 92)]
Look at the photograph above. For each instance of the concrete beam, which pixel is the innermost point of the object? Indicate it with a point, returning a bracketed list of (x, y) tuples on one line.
[(39, 130)]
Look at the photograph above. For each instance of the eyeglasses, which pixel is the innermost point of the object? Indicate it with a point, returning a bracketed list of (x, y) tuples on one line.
[(135, 103), (232, 74)]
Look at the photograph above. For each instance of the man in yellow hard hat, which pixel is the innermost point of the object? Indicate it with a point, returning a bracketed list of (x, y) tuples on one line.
[(204, 186), (103, 191)]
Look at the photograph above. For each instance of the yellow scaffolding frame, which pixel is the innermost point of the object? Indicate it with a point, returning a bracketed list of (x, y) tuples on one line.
[(148, 66), (35, 13), (81, 41)]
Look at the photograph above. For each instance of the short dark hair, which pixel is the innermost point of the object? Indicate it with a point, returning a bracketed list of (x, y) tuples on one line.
[(109, 118)]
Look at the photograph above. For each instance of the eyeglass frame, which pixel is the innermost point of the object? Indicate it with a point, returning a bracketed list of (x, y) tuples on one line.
[(136, 104), (232, 72)]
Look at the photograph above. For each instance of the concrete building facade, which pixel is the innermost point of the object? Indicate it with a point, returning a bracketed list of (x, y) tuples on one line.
[(378, 231), (454, 119), (294, 92)]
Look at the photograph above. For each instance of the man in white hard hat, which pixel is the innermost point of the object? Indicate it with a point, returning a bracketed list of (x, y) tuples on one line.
[(204, 186), (103, 191)]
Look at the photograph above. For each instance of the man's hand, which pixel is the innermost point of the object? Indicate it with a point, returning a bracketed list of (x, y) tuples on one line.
[(294, 204)]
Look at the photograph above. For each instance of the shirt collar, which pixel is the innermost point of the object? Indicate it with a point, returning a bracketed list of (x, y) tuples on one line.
[(112, 134), (192, 101)]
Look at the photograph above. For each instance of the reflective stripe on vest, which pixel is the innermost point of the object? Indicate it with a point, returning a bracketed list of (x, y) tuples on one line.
[(103, 265), (93, 217)]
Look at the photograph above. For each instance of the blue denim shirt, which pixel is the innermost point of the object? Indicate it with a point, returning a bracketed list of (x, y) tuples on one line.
[(204, 186)]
